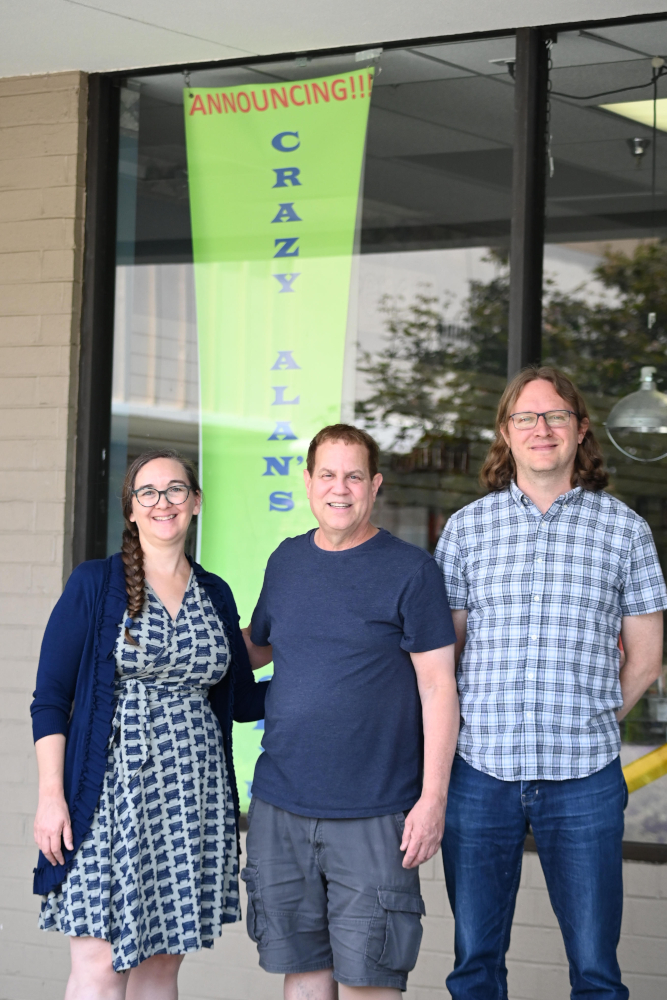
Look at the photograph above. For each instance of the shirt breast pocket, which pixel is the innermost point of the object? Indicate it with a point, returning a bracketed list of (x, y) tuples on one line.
[(596, 576)]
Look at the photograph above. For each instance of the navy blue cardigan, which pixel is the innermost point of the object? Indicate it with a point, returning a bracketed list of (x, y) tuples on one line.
[(75, 688)]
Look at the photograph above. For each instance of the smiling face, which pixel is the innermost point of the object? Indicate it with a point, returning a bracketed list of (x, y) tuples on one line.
[(340, 490), (542, 449), (166, 522)]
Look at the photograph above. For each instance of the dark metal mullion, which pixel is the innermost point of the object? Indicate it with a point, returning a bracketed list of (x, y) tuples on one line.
[(96, 349), (528, 195)]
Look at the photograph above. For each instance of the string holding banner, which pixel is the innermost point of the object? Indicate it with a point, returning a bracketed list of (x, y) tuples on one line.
[(274, 176)]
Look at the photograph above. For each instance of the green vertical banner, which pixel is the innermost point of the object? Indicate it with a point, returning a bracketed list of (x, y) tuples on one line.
[(274, 176)]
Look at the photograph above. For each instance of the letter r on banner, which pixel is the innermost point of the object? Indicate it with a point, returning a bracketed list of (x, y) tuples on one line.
[(285, 174)]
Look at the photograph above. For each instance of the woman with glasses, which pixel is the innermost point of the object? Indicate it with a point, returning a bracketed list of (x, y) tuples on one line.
[(142, 669)]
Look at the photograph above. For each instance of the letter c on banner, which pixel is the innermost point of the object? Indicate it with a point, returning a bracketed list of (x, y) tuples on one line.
[(278, 142), (297, 86)]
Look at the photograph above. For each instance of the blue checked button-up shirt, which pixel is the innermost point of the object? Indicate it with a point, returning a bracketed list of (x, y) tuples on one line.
[(538, 677)]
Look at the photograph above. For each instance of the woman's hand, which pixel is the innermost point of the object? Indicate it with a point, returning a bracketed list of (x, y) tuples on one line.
[(52, 822), (52, 827), (259, 656)]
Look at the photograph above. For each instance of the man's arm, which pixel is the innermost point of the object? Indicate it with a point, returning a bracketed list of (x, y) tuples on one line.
[(425, 823), (460, 620), (642, 643), (259, 656)]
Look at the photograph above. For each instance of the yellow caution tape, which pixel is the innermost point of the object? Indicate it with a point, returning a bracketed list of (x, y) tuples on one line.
[(646, 769)]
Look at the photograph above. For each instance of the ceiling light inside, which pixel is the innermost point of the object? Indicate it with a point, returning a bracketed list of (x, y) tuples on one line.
[(642, 111)]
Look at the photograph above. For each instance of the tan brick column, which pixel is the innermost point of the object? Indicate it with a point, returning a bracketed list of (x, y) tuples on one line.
[(42, 162)]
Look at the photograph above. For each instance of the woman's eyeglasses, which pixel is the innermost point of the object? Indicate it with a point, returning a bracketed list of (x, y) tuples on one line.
[(148, 497)]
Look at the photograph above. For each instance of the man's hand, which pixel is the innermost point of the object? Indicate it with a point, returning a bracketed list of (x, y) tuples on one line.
[(424, 827)]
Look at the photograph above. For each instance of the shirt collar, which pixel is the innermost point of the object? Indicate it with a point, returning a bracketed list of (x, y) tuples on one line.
[(522, 500)]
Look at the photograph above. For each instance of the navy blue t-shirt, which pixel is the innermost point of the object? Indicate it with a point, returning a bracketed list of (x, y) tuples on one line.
[(343, 727)]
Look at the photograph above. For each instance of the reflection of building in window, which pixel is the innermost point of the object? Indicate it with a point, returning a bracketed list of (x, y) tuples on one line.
[(156, 372), (155, 392)]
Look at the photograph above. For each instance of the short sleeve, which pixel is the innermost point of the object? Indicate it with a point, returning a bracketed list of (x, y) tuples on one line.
[(643, 585), (261, 619), (427, 622), (448, 558)]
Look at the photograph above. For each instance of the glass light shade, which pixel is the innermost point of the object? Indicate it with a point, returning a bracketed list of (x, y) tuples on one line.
[(643, 412)]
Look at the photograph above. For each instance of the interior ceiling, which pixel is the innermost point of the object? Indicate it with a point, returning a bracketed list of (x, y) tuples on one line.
[(40, 36), (439, 152)]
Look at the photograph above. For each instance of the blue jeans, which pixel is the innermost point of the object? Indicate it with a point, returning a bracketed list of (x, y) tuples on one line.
[(578, 829)]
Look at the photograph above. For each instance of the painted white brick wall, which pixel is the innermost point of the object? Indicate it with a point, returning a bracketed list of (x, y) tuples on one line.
[(42, 142)]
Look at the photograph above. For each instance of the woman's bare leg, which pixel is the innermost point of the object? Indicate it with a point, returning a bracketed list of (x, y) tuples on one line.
[(155, 979), (92, 976)]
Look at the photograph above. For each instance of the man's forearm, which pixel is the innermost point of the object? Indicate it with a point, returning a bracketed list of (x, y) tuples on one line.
[(441, 721), (642, 642), (635, 680)]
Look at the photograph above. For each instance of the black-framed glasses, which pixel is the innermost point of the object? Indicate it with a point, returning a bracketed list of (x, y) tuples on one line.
[(148, 497), (553, 418)]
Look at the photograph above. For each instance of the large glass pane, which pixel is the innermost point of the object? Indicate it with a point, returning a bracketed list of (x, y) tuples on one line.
[(433, 275), (605, 313)]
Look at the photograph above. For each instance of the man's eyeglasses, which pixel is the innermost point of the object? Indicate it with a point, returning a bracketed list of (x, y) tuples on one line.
[(148, 497), (554, 418)]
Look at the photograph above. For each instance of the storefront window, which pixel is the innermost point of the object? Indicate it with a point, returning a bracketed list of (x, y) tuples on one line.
[(433, 275), (426, 340), (605, 262)]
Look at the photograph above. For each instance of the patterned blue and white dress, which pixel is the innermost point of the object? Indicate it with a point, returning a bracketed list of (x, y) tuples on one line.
[(157, 872)]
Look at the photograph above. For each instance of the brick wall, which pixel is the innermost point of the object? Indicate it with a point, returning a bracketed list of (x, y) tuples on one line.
[(42, 142)]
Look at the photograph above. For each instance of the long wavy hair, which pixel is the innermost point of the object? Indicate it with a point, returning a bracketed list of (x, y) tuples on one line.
[(499, 468), (131, 551)]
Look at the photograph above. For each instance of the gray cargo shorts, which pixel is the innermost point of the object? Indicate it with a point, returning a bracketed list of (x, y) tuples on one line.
[(332, 893)]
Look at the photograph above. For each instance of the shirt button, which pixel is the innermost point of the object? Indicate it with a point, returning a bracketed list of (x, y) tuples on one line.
[(536, 598), (530, 676), (539, 559), (529, 715), (534, 637)]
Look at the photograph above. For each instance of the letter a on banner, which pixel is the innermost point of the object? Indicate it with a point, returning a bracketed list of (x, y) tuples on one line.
[(280, 179)]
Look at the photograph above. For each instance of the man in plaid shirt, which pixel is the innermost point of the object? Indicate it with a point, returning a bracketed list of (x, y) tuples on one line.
[(542, 576)]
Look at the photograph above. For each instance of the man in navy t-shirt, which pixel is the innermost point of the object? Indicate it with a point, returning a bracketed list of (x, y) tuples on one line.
[(361, 723)]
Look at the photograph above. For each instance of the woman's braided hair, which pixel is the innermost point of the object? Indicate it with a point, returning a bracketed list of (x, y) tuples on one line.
[(131, 551)]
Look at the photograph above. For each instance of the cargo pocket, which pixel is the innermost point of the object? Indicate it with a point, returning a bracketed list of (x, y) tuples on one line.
[(256, 918), (395, 933)]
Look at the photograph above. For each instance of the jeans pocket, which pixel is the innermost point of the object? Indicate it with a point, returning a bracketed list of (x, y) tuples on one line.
[(395, 931), (256, 917)]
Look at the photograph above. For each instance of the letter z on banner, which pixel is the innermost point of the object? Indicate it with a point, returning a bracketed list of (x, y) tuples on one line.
[(274, 177)]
